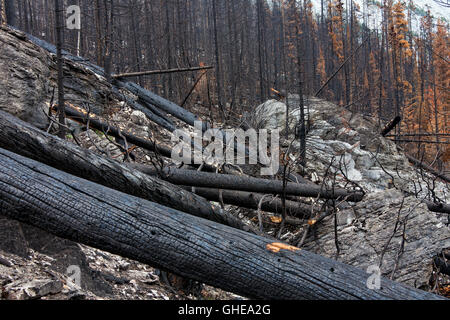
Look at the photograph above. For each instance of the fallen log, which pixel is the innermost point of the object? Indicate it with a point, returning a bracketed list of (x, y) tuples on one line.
[(151, 112), (391, 125), (22, 138), (170, 240), (250, 184), (155, 114), (96, 123), (161, 103), (438, 207), (251, 200), (155, 72), (430, 169)]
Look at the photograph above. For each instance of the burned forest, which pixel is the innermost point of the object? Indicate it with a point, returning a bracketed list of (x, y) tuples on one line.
[(233, 150)]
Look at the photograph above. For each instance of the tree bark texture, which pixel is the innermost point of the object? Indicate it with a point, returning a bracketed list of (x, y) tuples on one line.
[(20, 137), (167, 239)]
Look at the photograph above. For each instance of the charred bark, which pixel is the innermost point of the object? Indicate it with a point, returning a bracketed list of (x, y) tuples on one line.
[(251, 201), (391, 125), (250, 184), (155, 72), (170, 240), (103, 126), (430, 169), (20, 137)]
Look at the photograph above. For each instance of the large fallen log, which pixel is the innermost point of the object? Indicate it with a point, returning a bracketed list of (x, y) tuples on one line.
[(22, 138), (97, 123), (155, 72), (252, 200), (170, 240), (250, 184)]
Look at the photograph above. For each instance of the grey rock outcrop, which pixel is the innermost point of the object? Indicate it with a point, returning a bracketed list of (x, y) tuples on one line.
[(390, 228)]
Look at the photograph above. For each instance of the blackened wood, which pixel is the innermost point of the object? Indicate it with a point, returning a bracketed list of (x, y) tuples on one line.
[(251, 200), (59, 44), (161, 103), (154, 72), (421, 164), (250, 184), (438, 207), (391, 125), (22, 138), (96, 123), (170, 240)]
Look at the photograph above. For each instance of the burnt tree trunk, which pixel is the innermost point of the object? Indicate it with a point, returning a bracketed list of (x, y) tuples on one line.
[(230, 182), (170, 240), (251, 201), (20, 137), (103, 126), (59, 44)]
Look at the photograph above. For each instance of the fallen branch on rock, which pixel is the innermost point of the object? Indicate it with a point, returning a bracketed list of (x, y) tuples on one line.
[(22, 138), (391, 125), (250, 184), (430, 169)]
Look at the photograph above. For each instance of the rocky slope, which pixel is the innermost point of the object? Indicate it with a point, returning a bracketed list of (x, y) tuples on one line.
[(390, 228)]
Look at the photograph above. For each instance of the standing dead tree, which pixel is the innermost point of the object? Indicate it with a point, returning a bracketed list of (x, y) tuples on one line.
[(170, 240), (252, 200), (155, 72)]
